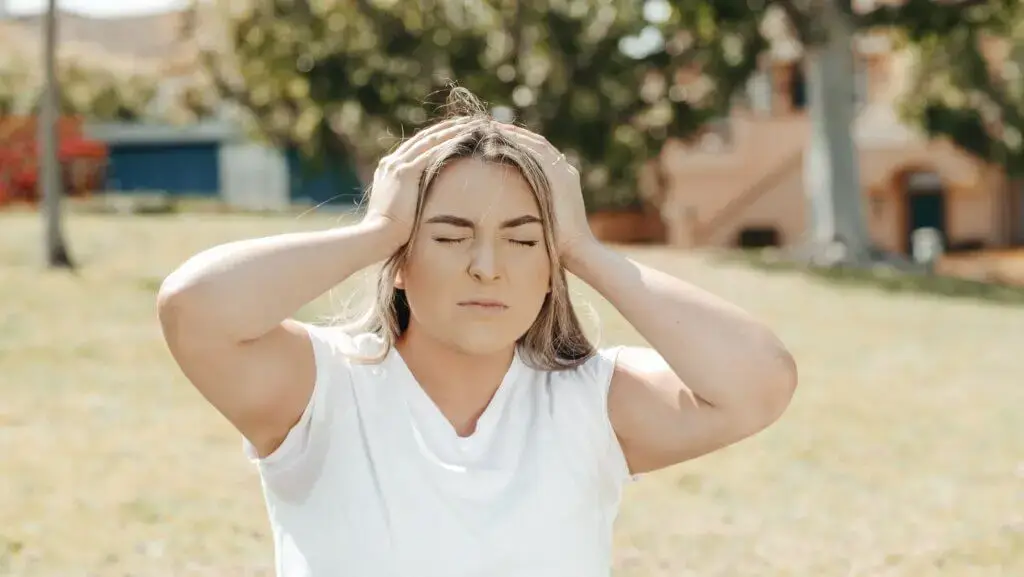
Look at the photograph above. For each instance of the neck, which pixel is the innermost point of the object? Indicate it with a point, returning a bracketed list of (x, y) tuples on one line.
[(461, 384)]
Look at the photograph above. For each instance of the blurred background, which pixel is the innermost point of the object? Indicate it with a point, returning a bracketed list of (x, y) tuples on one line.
[(851, 171)]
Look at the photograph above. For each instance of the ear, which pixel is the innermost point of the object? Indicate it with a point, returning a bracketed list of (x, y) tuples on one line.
[(399, 280)]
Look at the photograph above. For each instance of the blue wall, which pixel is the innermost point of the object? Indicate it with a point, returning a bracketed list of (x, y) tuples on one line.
[(192, 168), (336, 184)]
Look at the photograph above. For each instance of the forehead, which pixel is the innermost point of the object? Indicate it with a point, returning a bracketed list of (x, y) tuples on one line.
[(480, 191)]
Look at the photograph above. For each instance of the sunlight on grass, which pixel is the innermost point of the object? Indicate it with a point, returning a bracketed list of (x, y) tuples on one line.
[(902, 454)]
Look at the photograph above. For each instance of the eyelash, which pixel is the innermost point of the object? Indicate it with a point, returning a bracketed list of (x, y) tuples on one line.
[(458, 240)]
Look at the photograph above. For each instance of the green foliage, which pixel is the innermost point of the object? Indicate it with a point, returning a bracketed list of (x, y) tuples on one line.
[(931, 19), (975, 100), (956, 93), (86, 89), (346, 78), (720, 43), (103, 94)]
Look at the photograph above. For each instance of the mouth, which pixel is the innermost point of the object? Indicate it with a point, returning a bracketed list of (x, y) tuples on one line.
[(484, 304)]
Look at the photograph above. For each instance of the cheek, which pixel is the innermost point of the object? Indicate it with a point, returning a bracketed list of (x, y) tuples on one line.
[(533, 269), (428, 269)]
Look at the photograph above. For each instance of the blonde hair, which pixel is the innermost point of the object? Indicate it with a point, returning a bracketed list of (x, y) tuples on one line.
[(556, 339)]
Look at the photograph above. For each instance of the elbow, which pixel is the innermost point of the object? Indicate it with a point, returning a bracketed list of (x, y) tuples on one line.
[(188, 315), (769, 379), (169, 305), (177, 301), (778, 383), (170, 296)]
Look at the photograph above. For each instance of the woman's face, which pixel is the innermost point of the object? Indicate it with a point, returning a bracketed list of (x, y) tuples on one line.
[(478, 272)]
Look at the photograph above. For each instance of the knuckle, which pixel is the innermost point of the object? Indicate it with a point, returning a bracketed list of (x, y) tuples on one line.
[(402, 169)]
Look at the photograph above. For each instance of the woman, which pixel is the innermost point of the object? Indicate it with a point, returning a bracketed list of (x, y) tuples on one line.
[(466, 427)]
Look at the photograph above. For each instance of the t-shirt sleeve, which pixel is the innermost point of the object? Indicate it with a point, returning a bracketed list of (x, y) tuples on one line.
[(596, 374), (309, 437)]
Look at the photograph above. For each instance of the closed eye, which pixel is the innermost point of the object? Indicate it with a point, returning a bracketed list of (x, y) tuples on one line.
[(523, 242), (449, 240)]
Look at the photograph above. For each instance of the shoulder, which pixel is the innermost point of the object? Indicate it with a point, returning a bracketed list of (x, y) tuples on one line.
[(580, 398), (612, 363), (337, 349), (336, 352), (337, 341), (584, 387), (639, 361), (596, 370), (602, 378)]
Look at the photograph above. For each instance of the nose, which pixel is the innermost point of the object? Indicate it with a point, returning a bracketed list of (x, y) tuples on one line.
[(483, 263)]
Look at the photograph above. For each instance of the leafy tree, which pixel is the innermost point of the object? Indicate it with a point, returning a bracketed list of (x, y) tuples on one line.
[(86, 89), (730, 32), (105, 95), (344, 79), (970, 84), (825, 33)]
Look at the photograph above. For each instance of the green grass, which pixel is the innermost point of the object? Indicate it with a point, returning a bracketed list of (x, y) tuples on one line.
[(942, 283), (902, 454)]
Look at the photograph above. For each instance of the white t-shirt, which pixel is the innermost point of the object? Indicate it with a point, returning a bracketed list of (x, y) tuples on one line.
[(373, 481)]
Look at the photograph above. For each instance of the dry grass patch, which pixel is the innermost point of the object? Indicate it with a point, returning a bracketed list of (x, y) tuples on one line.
[(902, 454)]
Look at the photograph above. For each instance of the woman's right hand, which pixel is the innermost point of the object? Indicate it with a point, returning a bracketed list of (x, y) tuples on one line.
[(396, 181)]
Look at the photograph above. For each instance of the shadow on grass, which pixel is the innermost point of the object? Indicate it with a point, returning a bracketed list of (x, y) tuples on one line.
[(884, 278)]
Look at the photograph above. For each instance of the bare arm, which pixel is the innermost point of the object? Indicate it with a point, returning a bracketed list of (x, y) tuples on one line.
[(225, 312), (715, 375)]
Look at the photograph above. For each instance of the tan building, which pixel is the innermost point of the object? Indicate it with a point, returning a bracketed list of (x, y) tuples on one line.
[(742, 182)]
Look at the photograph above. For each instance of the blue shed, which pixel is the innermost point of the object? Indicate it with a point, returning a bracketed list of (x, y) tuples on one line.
[(159, 157), (177, 168)]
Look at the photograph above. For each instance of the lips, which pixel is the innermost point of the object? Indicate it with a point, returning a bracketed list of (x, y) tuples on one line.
[(484, 304)]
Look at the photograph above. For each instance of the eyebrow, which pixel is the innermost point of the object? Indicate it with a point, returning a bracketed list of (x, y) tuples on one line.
[(466, 223)]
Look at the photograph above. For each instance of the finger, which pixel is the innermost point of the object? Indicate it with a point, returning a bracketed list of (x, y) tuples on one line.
[(417, 156), (523, 132), (520, 132), (547, 159), (543, 150), (427, 132), (536, 142), (427, 144)]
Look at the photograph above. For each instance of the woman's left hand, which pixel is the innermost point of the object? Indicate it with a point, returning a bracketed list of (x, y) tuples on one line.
[(572, 230)]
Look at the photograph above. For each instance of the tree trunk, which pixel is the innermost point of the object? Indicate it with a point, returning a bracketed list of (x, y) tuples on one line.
[(49, 163), (832, 168)]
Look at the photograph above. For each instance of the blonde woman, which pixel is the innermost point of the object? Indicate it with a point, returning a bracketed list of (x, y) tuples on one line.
[(466, 427)]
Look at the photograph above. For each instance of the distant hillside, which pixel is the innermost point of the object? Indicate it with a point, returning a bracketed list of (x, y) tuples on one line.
[(142, 39)]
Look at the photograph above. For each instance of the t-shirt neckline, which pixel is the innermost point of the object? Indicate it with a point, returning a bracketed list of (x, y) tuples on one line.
[(488, 418)]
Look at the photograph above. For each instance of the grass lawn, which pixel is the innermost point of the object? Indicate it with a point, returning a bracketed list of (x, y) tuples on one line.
[(899, 456)]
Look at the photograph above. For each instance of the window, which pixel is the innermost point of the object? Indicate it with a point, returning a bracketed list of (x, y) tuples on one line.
[(759, 237), (797, 87), (759, 91)]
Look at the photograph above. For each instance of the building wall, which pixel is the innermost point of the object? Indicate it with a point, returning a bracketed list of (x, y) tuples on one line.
[(973, 203), (254, 176), (780, 206), (755, 179), (711, 196), (189, 169)]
